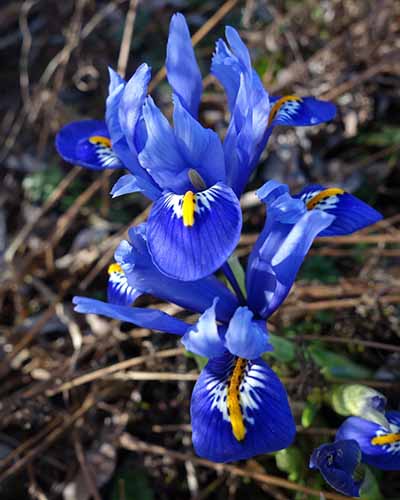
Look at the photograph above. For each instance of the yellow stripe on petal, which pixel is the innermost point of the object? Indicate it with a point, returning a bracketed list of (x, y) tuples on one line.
[(100, 140), (188, 208), (385, 439), (114, 268), (235, 411), (279, 103), (326, 193)]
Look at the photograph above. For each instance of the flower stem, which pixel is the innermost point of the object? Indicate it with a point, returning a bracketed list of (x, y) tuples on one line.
[(226, 269)]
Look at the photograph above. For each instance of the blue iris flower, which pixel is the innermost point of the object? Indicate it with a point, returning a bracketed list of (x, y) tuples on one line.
[(380, 445), (339, 465), (239, 407), (194, 180), (254, 113)]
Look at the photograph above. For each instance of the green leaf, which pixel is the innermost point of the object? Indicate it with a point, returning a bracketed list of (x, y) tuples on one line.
[(309, 413), (370, 487), (201, 361), (238, 272), (290, 461), (132, 485), (335, 365), (284, 349)]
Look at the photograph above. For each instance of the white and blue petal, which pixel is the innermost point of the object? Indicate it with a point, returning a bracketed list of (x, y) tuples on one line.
[(337, 463), (142, 274), (87, 143), (190, 236), (183, 72), (380, 445), (200, 147), (118, 290), (203, 337), (145, 318), (299, 111), (246, 337), (351, 214), (239, 409)]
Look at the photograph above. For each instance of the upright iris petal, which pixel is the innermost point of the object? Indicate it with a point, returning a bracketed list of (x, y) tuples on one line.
[(338, 464), (183, 72), (239, 409), (380, 445), (249, 106), (204, 338), (246, 337)]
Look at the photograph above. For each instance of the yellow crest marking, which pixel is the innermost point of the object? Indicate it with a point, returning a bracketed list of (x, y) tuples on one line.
[(233, 400), (100, 140), (114, 268), (279, 103), (188, 207), (326, 193), (387, 439)]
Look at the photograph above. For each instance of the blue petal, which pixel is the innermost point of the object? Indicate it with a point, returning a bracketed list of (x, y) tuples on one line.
[(351, 214), (87, 143), (260, 399), (192, 249), (201, 148), (182, 70), (337, 463), (246, 337), (280, 249), (385, 456), (161, 156), (131, 106), (131, 184), (119, 291), (141, 273), (115, 91), (203, 338), (145, 318), (227, 68), (229, 63), (249, 105), (296, 111)]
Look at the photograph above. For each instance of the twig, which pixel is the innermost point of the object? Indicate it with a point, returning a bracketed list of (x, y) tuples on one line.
[(50, 202), (108, 370), (25, 49), (338, 304), (86, 471), (132, 444), (365, 343), (127, 37), (49, 439), (108, 253)]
